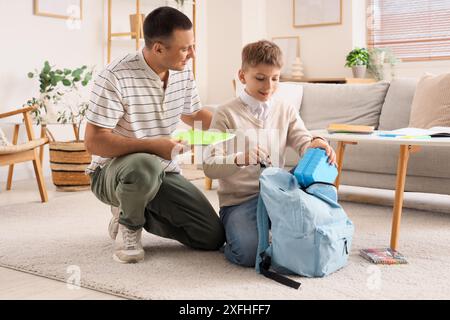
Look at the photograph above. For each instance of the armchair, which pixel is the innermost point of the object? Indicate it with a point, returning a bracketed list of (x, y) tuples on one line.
[(27, 151)]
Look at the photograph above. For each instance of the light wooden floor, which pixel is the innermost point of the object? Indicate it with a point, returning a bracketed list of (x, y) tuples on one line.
[(16, 285)]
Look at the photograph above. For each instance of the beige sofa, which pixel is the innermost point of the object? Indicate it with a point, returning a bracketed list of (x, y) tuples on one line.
[(386, 106)]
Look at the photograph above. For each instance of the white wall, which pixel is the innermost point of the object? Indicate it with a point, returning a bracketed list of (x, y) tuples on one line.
[(231, 24), (201, 35), (253, 17), (28, 40), (322, 49), (224, 41)]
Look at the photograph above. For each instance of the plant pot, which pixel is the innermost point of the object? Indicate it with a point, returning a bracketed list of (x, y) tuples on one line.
[(359, 71), (68, 161)]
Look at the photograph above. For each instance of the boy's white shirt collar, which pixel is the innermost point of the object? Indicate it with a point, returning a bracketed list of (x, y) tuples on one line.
[(258, 108)]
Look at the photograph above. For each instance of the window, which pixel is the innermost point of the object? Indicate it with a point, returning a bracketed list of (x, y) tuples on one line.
[(413, 29)]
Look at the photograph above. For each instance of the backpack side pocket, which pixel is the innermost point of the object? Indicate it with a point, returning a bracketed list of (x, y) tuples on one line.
[(332, 243)]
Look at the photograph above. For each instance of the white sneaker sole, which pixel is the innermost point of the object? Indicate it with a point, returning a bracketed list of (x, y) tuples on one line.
[(131, 260)]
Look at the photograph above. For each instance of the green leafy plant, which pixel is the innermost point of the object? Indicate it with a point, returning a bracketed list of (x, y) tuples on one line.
[(180, 2), (357, 57), (60, 100)]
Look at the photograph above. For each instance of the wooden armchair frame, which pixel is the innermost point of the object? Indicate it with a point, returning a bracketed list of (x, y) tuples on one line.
[(27, 151)]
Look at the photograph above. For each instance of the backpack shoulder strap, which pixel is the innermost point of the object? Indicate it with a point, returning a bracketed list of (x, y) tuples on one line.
[(264, 267), (263, 260), (262, 220)]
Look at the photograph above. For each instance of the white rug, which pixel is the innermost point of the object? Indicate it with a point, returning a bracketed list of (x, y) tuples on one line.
[(71, 230)]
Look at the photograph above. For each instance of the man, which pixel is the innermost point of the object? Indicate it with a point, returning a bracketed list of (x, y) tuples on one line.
[(136, 103)]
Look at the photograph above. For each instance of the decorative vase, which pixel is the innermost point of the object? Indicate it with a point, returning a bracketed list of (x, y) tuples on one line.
[(50, 108), (297, 69), (359, 71), (378, 57)]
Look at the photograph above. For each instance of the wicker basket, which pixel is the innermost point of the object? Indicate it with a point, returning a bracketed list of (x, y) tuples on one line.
[(68, 161)]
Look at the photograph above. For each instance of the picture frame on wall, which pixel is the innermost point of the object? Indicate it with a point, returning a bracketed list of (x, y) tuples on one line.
[(61, 9), (290, 47), (312, 13)]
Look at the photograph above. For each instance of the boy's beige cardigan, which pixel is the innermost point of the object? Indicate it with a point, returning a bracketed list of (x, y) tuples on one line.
[(283, 127)]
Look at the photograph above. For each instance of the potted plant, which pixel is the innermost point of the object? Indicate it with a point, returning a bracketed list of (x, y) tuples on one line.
[(358, 60), (377, 58), (180, 4), (60, 101)]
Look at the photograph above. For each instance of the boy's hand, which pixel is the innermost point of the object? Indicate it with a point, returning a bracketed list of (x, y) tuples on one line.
[(319, 143), (252, 157)]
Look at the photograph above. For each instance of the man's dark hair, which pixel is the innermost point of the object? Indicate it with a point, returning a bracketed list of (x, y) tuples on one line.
[(161, 22)]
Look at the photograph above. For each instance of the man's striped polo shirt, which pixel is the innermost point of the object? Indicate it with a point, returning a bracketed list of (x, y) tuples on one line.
[(129, 98)]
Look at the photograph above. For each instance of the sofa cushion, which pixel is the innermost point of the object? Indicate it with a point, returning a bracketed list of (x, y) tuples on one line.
[(291, 93), (397, 105), (342, 103), (431, 103)]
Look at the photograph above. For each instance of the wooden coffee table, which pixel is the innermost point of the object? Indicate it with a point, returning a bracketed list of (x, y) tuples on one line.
[(406, 147)]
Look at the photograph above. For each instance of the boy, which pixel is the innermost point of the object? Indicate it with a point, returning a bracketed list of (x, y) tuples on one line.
[(268, 124)]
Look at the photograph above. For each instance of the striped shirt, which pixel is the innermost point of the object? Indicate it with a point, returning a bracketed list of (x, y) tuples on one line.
[(129, 98)]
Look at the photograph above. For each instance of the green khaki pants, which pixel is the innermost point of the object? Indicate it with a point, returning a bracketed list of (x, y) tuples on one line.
[(165, 204)]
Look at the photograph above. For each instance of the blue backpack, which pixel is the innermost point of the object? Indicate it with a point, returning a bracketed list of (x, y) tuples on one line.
[(311, 233)]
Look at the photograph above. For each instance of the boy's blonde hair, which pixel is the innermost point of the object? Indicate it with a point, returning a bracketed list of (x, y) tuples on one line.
[(261, 52)]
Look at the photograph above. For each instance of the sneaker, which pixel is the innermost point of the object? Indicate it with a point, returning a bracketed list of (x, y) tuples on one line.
[(113, 227), (128, 246)]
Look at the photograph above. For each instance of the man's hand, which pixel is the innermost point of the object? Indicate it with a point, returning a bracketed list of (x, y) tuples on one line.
[(202, 116), (252, 157), (169, 148), (319, 143)]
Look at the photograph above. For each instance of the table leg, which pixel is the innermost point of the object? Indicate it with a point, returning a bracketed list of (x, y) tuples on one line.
[(402, 166), (340, 159), (11, 166)]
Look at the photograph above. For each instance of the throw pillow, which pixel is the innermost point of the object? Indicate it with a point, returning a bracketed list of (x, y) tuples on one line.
[(3, 141), (397, 104), (431, 102), (358, 104)]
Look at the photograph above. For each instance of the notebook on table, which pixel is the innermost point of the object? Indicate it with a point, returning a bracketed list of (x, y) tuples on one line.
[(349, 128), (434, 132)]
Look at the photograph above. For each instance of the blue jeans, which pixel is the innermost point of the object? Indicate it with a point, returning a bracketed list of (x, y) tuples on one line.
[(241, 232)]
